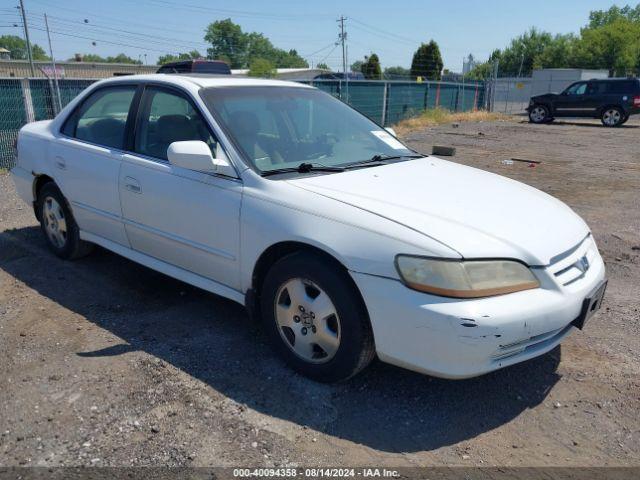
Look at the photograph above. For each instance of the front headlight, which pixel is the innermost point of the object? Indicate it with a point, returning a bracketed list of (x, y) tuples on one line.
[(464, 279)]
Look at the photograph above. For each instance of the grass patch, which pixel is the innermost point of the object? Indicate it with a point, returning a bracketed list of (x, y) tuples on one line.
[(3, 170), (438, 116)]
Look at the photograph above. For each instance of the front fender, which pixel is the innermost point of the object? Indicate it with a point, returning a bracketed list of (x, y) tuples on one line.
[(361, 241)]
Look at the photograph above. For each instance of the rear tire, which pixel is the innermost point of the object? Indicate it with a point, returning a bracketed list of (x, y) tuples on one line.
[(539, 114), (58, 225), (612, 117), (315, 318)]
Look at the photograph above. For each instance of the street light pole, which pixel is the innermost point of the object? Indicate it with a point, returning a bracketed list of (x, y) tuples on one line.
[(26, 36)]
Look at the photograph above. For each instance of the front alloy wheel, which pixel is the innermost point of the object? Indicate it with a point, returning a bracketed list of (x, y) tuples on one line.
[(315, 317), (308, 321), (538, 114)]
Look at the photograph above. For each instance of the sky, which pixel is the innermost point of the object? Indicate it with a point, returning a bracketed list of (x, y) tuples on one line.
[(392, 29)]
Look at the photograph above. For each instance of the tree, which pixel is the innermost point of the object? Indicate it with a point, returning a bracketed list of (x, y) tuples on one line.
[(427, 61), (90, 58), (610, 41), (323, 66), (600, 18), (356, 66), (18, 48), (518, 58), (560, 53), (228, 41), (482, 71), (371, 67), (614, 46), (122, 58), (240, 49), (192, 55), (397, 73), (263, 68)]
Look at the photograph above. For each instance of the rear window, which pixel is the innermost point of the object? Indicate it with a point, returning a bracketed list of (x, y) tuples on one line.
[(629, 86), (211, 67), (196, 67)]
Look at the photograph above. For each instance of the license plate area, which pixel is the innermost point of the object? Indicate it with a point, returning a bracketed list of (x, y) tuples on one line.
[(591, 305)]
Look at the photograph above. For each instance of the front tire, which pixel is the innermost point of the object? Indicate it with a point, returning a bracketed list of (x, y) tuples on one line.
[(612, 117), (315, 318), (539, 114), (58, 225)]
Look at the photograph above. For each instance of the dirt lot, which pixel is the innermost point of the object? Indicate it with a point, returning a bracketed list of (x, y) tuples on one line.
[(104, 362)]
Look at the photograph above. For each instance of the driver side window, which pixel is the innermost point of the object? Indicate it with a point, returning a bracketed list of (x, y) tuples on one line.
[(168, 117), (577, 89)]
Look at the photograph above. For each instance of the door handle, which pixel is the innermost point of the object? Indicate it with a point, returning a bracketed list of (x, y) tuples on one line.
[(132, 185), (60, 163)]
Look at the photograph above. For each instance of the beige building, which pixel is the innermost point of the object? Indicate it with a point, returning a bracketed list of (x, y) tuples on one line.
[(44, 69)]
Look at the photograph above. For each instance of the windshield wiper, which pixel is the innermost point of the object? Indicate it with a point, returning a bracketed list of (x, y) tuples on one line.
[(377, 159), (304, 167)]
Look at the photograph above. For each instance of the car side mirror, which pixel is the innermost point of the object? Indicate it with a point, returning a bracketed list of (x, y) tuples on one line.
[(196, 155), (391, 131)]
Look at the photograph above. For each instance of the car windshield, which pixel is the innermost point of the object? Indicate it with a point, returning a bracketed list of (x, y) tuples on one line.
[(282, 127)]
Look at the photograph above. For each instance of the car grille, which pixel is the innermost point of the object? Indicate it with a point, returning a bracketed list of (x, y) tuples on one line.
[(574, 265)]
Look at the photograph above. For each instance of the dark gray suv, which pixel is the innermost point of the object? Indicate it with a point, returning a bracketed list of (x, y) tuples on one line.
[(612, 100)]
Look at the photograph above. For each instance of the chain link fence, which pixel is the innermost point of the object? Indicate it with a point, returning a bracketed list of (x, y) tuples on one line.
[(385, 102), (510, 95), (388, 102)]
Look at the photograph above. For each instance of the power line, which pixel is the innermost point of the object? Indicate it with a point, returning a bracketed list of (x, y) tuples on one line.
[(241, 13), (385, 33)]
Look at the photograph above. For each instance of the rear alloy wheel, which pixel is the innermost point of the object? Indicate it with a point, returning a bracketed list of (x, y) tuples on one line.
[(54, 222), (538, 114), (58, 225), (612, 117), (315, 318)]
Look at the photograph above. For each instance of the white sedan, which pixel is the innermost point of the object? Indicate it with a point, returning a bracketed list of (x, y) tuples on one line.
[(345, 242)]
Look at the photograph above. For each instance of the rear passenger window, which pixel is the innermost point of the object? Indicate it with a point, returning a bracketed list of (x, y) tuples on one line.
[(621, 87), (168, 117), (102, 117)]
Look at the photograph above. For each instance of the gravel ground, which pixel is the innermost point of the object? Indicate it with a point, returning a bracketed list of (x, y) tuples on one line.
[(104, 362)]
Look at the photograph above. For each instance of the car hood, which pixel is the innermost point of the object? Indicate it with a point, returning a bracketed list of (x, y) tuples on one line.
[(476, 213), (545, 96)]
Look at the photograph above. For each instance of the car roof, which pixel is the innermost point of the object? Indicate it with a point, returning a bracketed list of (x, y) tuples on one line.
[(614, 79), (203, 80)]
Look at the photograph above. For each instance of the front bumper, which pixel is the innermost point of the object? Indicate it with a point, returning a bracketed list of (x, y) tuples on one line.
[(454, 338)]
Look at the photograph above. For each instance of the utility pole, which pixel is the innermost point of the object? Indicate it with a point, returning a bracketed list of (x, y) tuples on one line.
[(342, 37), (53, 62), (521, 64), (26, 36)]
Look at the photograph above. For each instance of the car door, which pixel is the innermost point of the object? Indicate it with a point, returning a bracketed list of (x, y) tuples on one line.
[(87, 156), (573, 101), (596, 97), (186, 218)]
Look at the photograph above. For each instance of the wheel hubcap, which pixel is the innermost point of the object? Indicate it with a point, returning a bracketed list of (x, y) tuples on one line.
[(612, 117), (55, 223), (538, 114), (307, 320)]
